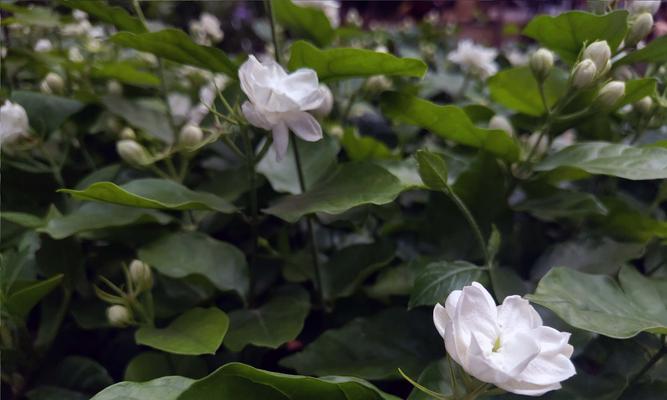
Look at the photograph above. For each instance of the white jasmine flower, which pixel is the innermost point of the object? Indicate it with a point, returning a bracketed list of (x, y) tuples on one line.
[(179, 105), (279, 101), (330, 8), (43, 46), (642, 6), (206, 29), (475, 59), (506, 345), (13, 123)]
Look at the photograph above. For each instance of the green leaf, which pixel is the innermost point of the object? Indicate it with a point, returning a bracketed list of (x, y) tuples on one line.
[(352, 184), (124, 72), (344, 63), (562, 204), (185, 253), (602, 158), (152, 364), (372, 348), (198, 331), (598, 303), (175, 45), (568, 32), (276, 322), (153, 122), (363, 148), (94, 216), (432, 170), (166, 388), (525, 97), (116, 16), (654, 52), (439, 279), (449, 122), (33, 15), (46, 112), (23, 219), (21, 301), (636, 89), (317, 158), (349, 267), (161, 194), (304, 21), (54, 393)]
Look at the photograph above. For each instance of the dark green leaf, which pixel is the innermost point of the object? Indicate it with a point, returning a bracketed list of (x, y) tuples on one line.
[(432, 170), (165, 388), (562, 204), (152, 364), (449, 122), (343, 63), (304, 21), (21, 301), (439, 279), (363, 148), (159, 194), (198, 331), (46, 112)]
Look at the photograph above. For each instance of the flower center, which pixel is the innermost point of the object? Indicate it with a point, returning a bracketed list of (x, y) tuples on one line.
[(496, 345)]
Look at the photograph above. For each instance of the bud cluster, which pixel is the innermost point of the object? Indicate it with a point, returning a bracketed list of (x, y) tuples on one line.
[(126, 302), (594, 64)]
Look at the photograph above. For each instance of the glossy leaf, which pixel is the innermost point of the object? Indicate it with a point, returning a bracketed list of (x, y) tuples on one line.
[(276, 322), (372, 348), (198, 331), (432, 170), (153, 364), (602, 158), (165, 388), (304, 21), (525, 97), (116, 16), (439, 279), (153, 193), (568, 32), (562, 204), (21, 301), (175, 45), (186, 253), (600, 304), (352, 184), (449, 122), (344, 63), (46, 112)]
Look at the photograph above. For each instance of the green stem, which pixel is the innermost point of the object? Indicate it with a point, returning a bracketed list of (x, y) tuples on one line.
[(265, 148), (139, 12), (651, 362), (254, 215), (473, 224), (540, 86), (228, 141), (274, 35)]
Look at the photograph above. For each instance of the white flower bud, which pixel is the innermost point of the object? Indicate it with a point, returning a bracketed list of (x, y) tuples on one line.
[(119, 316), (43, 45), (13, 123), (128, 133), (584, 74), (598, 52), (141, 275), (132, 152), (52, 83), (541, 63), (644, 105), (643, 6), (502, 123), (327, 102), (191, 135), (641, 27), (115, 88), (378, 83), (610, 94)]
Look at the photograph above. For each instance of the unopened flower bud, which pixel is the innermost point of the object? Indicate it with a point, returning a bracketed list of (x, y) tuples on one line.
[(114, 87), (128, 133), (640, 28), (541, 63), (598, 52), (119, 316), (141, 275), (644, 105), (191, 135), (643, 6), (584, 74), (327, 103), (378, 83), (52, 83), (132, 152), (502, 123), (610, 94)]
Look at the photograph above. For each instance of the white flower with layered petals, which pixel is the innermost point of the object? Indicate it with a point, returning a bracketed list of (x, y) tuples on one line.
[(505, 345), (13, 123), (475, 59), (280, 102)]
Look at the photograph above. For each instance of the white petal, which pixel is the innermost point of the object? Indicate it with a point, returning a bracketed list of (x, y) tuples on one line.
[(247, 71), (548, 370), (303, 87), (475, 312), (517, 314), (517, 352), (304, 126), (552, 341), (280, 140), (452, 302), (440, 319), (527, 389), (254, 116)]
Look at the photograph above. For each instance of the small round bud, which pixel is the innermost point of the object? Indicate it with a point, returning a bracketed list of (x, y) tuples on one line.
[(644, 105), (598, 52), (191, 135), (583, 74), (52, 83), (640, 28), (327, 104), (115, 88), (378, 83), (119, 316), (128, 133), (132, 152), (502, 123), (141, 275), (610, 94), (541, 63)]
